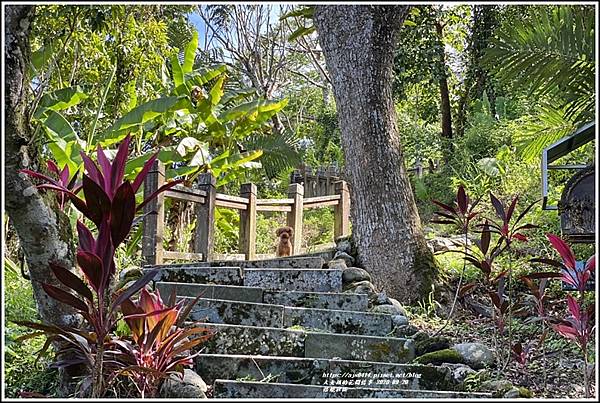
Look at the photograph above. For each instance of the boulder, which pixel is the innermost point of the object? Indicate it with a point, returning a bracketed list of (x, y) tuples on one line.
[(425, 344), (498, 388), (458, 372), (355, 274), (337, 264), (190, 387), (440, 356), (343, 244), (399, 320), (382, 299), (476, 355), (388, 309), (397, 305), (361, 287), (346, 257), (405, 331)]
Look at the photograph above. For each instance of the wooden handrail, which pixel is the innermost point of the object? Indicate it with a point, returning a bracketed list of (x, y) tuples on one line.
[(207, 199)]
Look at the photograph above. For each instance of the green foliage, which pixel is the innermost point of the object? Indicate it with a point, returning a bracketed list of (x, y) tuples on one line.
[(552, 54)]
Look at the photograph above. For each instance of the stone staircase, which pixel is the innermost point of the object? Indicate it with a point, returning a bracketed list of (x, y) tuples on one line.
[(284, 329)]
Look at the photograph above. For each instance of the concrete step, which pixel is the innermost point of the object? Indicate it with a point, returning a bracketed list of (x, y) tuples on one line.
[(312, 280), (320, 300), (239, 339), (301, 262), (198, 274), (338, 321), (243, 389), (269, 315), (212, 291), (314, 371), (237, 313)]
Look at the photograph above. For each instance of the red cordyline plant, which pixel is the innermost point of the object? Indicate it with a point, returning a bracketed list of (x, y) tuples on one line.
[(579, 325), (159, 346), (460, 214), (109, 202)]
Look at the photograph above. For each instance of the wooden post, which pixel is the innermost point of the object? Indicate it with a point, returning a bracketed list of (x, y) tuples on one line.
[(248, 222), (294, 217), (154, 216), (342, 210), (205, 217)]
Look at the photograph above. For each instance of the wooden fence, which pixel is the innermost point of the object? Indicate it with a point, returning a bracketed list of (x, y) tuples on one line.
[(206, 199)]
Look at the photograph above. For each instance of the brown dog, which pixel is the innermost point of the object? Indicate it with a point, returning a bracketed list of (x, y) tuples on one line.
[(284, 248)]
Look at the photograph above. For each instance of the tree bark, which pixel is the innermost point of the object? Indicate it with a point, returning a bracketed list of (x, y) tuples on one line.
[(44, 232), (444, 92), (358, 43)]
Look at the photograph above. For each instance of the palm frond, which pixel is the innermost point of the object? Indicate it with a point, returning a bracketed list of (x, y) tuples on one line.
[(280, 152), (550, 125), (552, 53)]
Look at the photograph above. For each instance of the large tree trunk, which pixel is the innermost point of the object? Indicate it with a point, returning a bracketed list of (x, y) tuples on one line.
[(444, 92), (359, 43), (44, 232)]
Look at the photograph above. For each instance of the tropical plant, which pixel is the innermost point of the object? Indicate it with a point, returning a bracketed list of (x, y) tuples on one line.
[(460, 214), (552, 54), (111, 205), (159, 346), (579, 326)]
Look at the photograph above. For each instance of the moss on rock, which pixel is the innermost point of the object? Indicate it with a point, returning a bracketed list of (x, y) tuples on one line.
[(439, 357)]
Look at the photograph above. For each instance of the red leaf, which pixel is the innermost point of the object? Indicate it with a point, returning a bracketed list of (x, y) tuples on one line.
[(590, 265), (65, 297), (118, 165), (550, 262), (52, 167), (499, 207), (106, 168), (563, 249), (91, 168), (96, 198), (91, 265), (72, 281), (86, 239), (461, 199), (38, 175), (143, 173), (511, 208), (445, 207), (485, 238), (122, 213), (467, 288), (574, 307), (135, 287), (566, 331), (520, 237)]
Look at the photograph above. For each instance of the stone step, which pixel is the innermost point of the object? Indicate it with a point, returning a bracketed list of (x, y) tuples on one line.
[(243, 389), (311, 371), (320, 300), (301, 262), (313, 280), (197, 274), (269, 315), (212, 291), (239, 339), (338, 321)]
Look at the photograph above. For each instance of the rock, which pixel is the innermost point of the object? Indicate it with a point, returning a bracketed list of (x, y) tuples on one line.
[(346, 257), (191, 386), (405, 330), (512, 393), (441, 356), (398, 306), (130, 273), (361, 287), (398, 320), (355, 274), (439, 244), (524, 392), (382, 299), (388, 309), (337, 264), (343, 244), (458, 372), (498, 388), (477, 355), (425, 344)]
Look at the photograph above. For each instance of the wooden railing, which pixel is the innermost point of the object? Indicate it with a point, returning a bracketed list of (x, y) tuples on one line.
[(206, 199)]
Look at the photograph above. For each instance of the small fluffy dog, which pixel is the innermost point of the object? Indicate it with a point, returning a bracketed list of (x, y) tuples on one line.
[(284, 248)]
